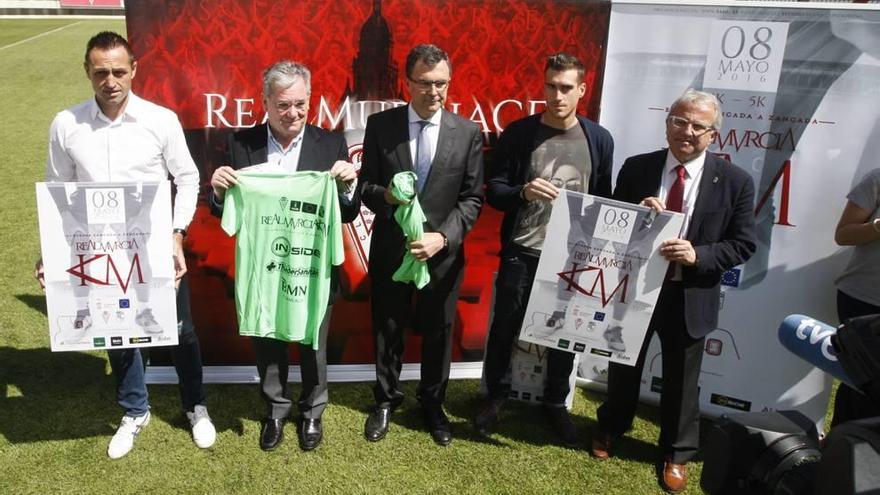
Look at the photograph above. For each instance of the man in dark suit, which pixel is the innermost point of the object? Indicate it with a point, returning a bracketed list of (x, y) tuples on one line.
[(445, 151), (534, 159), (717, 199), (289, 144)]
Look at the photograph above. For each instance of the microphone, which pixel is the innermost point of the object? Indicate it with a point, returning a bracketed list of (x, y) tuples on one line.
[(810, 340)]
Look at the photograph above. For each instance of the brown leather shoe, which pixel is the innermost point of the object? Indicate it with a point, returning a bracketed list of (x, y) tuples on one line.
[(675, 477), (601, 447)]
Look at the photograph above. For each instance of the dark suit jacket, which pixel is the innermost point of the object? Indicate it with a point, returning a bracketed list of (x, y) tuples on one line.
[(321, 148), (722, 228), (451, 198), (512, 160)]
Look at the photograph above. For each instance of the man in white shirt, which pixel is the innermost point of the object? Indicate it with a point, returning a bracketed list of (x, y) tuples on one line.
[(118, 137)]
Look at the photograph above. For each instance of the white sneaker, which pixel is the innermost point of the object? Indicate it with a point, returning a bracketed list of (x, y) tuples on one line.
[(82, 322), (203, 431), (614, 338), (146, 320), (123, 440)]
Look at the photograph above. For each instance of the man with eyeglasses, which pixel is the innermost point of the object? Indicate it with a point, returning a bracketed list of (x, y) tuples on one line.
[(445, 152), (289, 144), (717, 200), (534, 159)]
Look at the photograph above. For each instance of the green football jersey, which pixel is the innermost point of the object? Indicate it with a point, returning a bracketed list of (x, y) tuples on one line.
[(288, 233), (411, 218)]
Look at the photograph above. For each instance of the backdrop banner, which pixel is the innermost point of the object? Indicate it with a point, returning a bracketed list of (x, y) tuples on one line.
[(205, 61), (107, 264), (798, 87)]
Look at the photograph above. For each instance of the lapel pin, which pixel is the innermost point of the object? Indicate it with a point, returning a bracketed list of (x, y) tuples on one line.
[(715, 180)]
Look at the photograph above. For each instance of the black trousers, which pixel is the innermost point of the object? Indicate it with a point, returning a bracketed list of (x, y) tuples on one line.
[(850, 404), (512, 289), (432, 314), (679, 399), (273, 364)]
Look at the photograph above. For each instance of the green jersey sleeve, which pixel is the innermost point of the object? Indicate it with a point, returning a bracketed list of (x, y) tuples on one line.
[(230, 221)]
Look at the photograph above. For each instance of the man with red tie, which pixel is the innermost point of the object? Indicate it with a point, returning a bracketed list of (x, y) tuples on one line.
[(717, 199)]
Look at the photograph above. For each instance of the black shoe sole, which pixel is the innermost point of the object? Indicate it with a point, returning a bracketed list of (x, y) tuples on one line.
[(308, 448), (269, 448), (442, 444), (376, 439)]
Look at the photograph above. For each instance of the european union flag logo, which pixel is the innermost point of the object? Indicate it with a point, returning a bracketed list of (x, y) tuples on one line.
[(124, 303), (731, 277), (599, 316)]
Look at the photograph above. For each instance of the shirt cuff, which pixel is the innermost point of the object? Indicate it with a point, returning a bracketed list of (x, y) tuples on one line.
[(215, 202), (348, 193)]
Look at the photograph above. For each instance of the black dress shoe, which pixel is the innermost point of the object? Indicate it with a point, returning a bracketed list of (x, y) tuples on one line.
[(561, 422), (310, 433), (272, 434), (377, 424), (486, 419), (438, 426)]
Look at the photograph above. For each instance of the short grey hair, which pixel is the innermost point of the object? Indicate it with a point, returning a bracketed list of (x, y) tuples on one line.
[(700, 99), (284, 74)]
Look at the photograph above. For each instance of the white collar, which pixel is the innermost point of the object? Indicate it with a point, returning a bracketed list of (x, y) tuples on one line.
[(415, 118), (133, 108), (293, 144), (692, 167)]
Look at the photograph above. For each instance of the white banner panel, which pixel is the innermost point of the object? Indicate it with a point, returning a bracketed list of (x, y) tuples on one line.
[(108, 265), (799, 88)]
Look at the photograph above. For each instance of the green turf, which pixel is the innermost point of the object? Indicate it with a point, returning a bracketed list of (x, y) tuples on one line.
[(57, 411)]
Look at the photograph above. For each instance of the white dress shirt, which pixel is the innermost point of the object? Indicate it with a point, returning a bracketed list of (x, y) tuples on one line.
[(693, 173), (145, 143), (286, 158)]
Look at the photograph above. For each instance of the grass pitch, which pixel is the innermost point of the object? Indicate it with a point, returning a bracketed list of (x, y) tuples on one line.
[(58, 411)]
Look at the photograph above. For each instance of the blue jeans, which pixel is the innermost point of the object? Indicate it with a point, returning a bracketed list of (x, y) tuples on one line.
[(128, 365), (513, 286)]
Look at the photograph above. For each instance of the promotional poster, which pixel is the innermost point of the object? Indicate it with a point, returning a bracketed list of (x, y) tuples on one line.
[(107, 262), (528, 374), (594, 293)]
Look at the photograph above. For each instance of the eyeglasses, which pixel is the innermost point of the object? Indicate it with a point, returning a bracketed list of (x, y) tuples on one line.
[(285, 106), (568, 184), (427, 85), (683, 123)]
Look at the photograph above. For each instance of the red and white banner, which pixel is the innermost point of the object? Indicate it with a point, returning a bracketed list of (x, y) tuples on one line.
[(119, 4), (205, 59)]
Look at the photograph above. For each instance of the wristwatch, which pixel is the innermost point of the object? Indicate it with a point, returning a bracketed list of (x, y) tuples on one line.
[(876, 224), (182, 232)]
